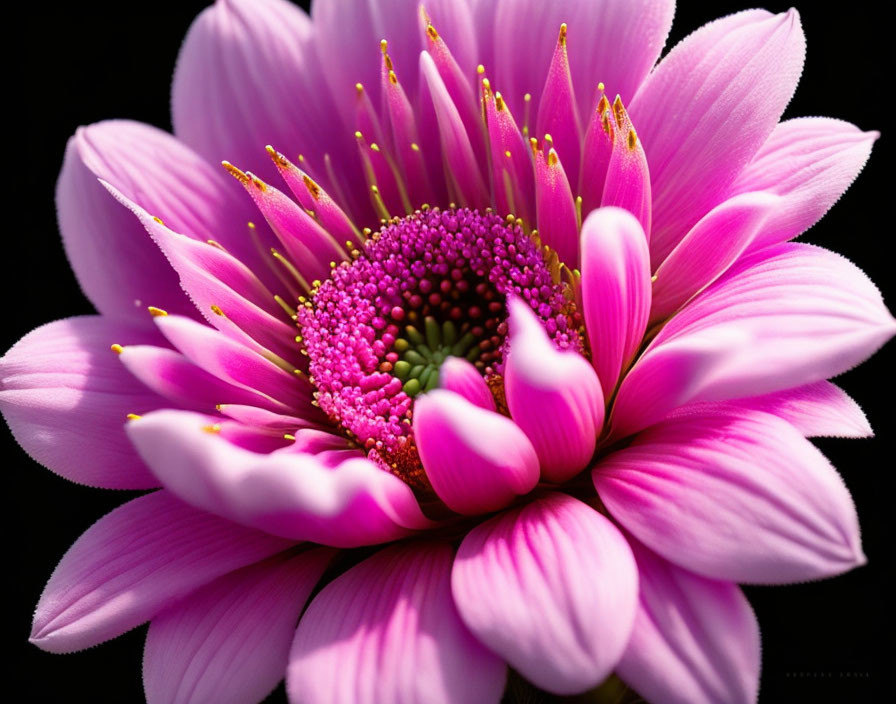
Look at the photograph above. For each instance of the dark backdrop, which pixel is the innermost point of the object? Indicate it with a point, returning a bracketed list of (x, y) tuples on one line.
[(83, 62)]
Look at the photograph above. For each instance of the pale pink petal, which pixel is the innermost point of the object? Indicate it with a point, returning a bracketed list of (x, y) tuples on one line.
[(615, 42), (65, 397), (789, 315), (287, 494), (551, 587), (476, 460), (461, 377), (739, 496), (810, 161), (695, 640), (816, 410), (553, 395), (615, 290), (215, 280), (134, 562), (388, 631), (228, 642), (708, 107), (709, 249), (247, 76), (234, 363)]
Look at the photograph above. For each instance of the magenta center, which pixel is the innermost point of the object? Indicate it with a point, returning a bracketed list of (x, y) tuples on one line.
[(426, 287)]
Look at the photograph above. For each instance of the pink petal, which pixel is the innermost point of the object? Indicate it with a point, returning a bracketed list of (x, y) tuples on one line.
[(514, 184), (615, 290), (695, 641), (627, 181), (787, 316), (117, 265), (214, 279), (287, 494), (552, 588), (247, 76), (739, 496), (65, 397), (388, 631), (708, 107), (558, 225), (553, 395), (558, 113), (816, 410), (228, 642), (615, 42), (461, 377), (709, 249), (234, 363), (476, 460), (348, 38), (177, 379), (600, 131), (809, 161), (462, 165), (134, 562)]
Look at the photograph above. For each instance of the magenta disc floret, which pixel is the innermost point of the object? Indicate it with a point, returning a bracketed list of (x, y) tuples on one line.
[(423, 288)]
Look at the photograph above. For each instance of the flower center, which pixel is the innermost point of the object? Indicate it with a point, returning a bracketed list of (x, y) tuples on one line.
[(424, 288)]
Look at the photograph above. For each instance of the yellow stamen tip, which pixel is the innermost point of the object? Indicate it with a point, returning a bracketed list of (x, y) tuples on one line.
[(217, 311), (562, 38), (158, 220), (133, 416), (117, 349), (431, 31), (156, 312), (287, 436), (235, 172), (600, 86)]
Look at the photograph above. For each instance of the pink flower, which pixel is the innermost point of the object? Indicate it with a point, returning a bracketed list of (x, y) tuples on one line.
[(415, 420)]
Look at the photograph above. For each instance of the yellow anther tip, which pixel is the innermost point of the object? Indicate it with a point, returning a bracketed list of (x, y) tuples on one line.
[(133, 416), (116, 348), (156, 312)]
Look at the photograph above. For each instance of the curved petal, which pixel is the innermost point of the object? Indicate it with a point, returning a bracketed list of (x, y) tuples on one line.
[(615, 290), (553, 395), (709, 249), (695, 641), (248, 76), (774, 321), (287, 494), (117, 265), (476, 460), (739, 496), (816, 410), (458, 375), (228, 642), (551, 587), (177, 379), (387, 631), (235, 363), (65, 396), (215, 280), (134, 562), (615, 42), (708, 107), (810, 162)]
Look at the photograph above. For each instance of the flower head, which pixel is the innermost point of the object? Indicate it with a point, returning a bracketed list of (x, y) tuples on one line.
[(516, 370)]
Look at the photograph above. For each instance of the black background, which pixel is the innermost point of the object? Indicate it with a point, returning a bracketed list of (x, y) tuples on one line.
[(79, 63)]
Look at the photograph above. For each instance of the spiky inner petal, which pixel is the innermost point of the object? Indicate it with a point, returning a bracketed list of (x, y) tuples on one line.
[(424, 288)]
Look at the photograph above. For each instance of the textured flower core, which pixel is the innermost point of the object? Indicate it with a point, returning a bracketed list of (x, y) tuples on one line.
[(426, 287)]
